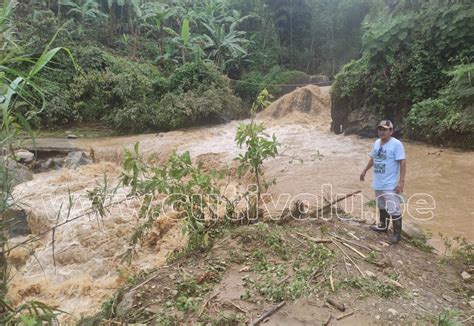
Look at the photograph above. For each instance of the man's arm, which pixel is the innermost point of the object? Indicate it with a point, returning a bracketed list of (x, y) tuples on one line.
[(367, 168), (401, 182)]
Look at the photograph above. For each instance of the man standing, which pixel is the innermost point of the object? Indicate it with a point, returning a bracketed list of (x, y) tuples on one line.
[(388, 159)]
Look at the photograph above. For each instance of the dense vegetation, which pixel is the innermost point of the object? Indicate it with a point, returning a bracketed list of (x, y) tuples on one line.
[(163, 64), (146, 65), (417, 68)]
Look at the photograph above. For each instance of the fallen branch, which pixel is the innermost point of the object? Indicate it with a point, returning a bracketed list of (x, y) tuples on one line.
[(331, 282), (111, 322), (297, 239), (354, 250), (326, 323), (238, 307), (348, 257), (267, 314), (374, 247), (316, 273), (345, 315), (467, 319), (207, 302), (339, 199), (283, 280), (145, 282), (339, 306), (345, 265), (369, 247), (353, 236)]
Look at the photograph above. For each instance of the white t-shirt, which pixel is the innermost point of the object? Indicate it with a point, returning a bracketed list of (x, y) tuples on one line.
[(386, 165)]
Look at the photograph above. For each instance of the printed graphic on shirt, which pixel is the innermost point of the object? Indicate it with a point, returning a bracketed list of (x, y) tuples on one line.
[(381, 154), (379, 168)]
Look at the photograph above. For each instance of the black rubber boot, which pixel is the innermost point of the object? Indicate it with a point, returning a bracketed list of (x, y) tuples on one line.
[(383, 224), (397, 229)]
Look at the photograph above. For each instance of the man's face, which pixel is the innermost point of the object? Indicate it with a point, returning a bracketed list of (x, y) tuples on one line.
[(384, 133)]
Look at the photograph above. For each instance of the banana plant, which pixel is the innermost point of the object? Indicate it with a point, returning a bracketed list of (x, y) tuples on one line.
[(83, 10), (185, 42), (225, 46)]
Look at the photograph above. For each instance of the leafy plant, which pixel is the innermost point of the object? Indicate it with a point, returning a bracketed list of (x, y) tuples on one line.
[(225, 45), (371, 286), (191, 193), (448, 117), (16, 86), (258, 147)]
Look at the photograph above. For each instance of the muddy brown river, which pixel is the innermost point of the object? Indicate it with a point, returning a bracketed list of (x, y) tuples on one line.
[(86, 269)]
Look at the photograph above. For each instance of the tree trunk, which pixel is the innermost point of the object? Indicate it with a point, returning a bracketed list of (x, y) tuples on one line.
[(310, 53)]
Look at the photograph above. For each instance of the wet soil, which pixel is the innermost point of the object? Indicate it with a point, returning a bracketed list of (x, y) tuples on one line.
[(231, 283)]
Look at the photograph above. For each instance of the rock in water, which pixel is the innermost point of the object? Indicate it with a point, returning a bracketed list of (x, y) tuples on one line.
[(126, 304), (15, 172), (16, 223), (24, 156), (75, 159)]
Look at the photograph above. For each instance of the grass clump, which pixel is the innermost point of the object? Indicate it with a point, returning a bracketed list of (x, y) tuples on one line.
[(372, 286)]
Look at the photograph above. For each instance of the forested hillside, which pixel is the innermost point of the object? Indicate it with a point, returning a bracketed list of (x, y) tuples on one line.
[(163, 64), (159, 65), (416, 69)]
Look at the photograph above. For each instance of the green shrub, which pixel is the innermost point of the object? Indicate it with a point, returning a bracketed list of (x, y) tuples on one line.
[(448, 118), (213, 105), (92, 58), (59, 110), (402, 74), (100, 93), (280, 76), (254, 82), (352, 79), (250, 86), (161, 86), (194, 76), (134, 117), (177, 110), (105, 86)]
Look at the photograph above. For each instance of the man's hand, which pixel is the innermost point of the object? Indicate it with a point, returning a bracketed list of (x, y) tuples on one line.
[(367, 168), (399, 188)]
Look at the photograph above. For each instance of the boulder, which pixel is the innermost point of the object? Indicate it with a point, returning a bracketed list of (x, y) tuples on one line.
[(24, 156), (350, 115), (125, 305), (72, 136), (411, 231), (16, 172), (16, 223), (76, 159)]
